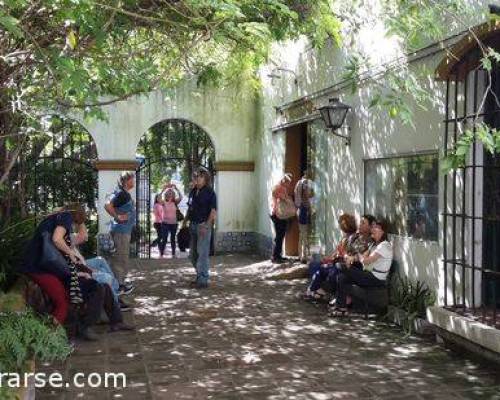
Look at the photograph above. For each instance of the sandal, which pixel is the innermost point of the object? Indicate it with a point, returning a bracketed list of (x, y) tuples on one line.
[(338, 312), (315, 296), (320, 297)]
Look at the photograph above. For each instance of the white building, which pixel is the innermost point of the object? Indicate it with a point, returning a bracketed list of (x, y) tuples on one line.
[(388, 169)]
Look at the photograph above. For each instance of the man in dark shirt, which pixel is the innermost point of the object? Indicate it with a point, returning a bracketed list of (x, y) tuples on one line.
[(201, 213)]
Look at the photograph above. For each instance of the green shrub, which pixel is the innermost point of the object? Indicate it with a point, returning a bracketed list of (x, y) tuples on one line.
[(13, 239), (25, 337), (413, 297)]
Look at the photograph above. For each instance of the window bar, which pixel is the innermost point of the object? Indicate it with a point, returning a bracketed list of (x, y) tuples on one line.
[(145, 187), (473, 222), (137, 207), (454, 202), (445, 195), (148, 209), (464, 196), (35, 190)]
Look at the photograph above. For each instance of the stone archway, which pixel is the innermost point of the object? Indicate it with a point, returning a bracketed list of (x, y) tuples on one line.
[(229, 117), (169, 151)]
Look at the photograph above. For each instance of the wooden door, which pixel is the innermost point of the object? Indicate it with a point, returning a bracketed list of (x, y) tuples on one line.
[(295, 164)]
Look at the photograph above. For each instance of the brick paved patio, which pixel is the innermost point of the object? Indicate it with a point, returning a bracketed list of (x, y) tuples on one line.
[(245, 338)]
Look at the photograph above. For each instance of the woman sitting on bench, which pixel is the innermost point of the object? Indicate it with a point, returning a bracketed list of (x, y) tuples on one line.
[(327, 269), (376, 266)]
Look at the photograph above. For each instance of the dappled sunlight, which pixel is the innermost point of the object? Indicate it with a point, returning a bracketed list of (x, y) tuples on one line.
[(245, 337)]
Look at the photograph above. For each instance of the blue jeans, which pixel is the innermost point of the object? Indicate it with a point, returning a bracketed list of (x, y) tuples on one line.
[(326, 273), (102, 273), (199, 252)]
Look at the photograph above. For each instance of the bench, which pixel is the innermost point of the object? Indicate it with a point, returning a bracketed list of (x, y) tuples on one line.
[(373, 299), (38, 300)]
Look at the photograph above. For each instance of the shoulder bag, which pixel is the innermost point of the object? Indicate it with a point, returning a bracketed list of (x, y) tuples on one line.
[(286, 209)]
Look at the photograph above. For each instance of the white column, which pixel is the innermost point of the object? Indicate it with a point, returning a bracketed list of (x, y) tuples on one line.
[(236, 197)]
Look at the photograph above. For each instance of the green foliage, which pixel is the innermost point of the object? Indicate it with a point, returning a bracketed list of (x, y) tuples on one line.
[(186, 145), (413, 297), (87, 49), (13, 239), (457, 156), (25, 337), (420, 22), (411, 25)]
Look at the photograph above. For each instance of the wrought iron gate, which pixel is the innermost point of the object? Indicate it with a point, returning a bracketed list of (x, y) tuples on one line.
[(63, 171), (471, 219), (172, 145)]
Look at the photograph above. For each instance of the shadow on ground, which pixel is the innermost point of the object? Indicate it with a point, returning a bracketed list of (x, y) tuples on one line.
[(245, 338)]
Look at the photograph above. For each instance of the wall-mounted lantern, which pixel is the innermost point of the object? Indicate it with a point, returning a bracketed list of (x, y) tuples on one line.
[(334, 114)]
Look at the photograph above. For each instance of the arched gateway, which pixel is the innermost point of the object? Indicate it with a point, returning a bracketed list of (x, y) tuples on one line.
[(228, 118), (169, 151)]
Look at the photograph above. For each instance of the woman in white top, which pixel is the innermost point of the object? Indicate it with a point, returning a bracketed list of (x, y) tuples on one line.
[(376, 263)]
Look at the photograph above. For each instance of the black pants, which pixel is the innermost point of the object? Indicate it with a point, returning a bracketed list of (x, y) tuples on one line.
[(170, 229), (354, 276), (93, 296), (111, 307), (97, 296), (161, 237), (280, 227)]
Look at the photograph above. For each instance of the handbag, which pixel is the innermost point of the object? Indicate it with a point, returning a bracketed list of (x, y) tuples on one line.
[(178, 214), (286, 209), (52, 260), (183, 238), (106, 243)]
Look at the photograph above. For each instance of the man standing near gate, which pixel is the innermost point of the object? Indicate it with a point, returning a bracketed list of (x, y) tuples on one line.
[(201, 213)]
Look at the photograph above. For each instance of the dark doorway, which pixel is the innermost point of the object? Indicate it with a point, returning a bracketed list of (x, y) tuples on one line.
[(491, 199), (295, 164)]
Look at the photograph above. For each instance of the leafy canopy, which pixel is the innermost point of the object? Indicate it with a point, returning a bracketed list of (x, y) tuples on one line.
[(73, 52)]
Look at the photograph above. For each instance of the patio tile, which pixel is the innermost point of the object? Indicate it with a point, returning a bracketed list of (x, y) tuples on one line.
[(249, 339)]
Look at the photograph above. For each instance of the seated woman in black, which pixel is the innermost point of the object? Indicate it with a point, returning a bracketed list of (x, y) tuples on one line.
[(376, 264), (63, 279)]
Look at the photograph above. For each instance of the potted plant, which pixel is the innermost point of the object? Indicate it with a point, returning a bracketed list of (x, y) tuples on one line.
[(408, 304)]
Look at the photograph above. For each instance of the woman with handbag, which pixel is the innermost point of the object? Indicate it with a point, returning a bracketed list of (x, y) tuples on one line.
[(47, 261), (53, 265), (171, 214), (283, 208)]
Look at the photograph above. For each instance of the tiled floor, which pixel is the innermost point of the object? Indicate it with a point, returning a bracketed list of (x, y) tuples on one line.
[(245, 338)]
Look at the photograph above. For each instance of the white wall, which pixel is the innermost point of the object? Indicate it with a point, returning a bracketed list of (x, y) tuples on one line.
[(228, 118), (340, 169)]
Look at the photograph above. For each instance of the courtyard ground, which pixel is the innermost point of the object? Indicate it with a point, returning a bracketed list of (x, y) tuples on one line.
[(247, 338)]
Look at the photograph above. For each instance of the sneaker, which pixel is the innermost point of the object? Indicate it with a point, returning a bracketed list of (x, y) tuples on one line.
[(121, 326), (125, 289)]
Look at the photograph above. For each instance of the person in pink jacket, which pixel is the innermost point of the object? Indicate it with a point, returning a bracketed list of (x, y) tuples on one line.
[(158, 212), (172, 198)]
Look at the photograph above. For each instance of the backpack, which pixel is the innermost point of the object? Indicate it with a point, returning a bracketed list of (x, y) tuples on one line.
[(105, 243)]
